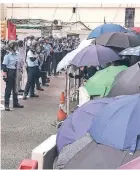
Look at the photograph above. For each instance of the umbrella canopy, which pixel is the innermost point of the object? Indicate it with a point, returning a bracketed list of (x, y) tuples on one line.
[(136, 29), (118, 124), (126, 82), (68, 58), (79, 122), (131, 51), (94, 55), (134, 164), (119, 40), (96, 156), (106, 28), (100, 84)]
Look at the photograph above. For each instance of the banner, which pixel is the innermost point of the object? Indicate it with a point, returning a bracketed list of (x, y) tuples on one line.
[(11, 31)]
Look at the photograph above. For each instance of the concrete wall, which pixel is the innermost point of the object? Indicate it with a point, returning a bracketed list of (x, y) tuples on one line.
[(91, 14)]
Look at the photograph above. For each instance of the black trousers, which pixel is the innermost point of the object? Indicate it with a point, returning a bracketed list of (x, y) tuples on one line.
[(55, 60), (10, 86), (43, 73), (31, 79), (49, 64)]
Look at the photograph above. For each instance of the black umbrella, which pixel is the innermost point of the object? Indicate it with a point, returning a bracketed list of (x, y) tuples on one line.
[(95, 156), (87, 154), (126, 82), (118, 39)]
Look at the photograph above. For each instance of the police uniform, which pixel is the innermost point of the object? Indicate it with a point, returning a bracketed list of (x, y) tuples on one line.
[(9, 69), (22, 56), (44, 53), (48, 61), (32, 64), (55, 58)]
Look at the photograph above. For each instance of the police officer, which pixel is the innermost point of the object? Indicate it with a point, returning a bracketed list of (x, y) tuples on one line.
[(9, 75), (55, 57), (3, 51), (22, 55), (32, 70), (48, 58)]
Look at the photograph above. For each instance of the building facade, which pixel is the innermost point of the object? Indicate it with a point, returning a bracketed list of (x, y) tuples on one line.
[(91, 15)]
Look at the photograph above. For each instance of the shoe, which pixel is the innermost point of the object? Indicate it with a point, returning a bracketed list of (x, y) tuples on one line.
[(18, 106), (24, 97), (34, 95), (45, 85), (21, 91), (7, 108), (40, 89)]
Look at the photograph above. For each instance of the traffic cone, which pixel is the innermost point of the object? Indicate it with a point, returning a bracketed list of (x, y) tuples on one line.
[(61, 115), (62, 98), (28, 164)]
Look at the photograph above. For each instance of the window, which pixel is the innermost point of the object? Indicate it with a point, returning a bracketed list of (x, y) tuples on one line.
[(129, 17)]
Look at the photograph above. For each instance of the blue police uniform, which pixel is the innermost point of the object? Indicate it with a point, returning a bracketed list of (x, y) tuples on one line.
[(33, 68), (56, 58), (48, 48), (9, 66)]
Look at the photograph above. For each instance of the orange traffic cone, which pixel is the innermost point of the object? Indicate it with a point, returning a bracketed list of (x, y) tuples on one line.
[(61, 115), (62, 98)]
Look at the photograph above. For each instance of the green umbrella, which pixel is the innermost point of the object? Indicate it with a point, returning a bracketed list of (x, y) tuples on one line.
[(100, 84)]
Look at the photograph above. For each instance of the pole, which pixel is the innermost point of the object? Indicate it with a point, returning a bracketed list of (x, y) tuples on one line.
[(68, 93), (66, 82)]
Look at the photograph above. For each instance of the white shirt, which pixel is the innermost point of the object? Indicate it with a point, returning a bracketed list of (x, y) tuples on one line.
[(29, 42), (28, 60)]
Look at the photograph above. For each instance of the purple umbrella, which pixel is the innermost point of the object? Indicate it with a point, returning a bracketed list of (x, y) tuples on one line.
[(78, 123), (94, 55)]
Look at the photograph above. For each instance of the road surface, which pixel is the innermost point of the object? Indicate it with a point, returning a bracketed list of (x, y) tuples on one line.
[(23, 129)]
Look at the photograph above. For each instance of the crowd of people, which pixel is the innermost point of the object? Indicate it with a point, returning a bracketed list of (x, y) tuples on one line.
[(36, 56)]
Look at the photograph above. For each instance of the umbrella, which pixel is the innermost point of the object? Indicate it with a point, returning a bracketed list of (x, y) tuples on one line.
[(136, 29), (126, 82), (85, 153), (79, 122), (68, 58), (96, 156), (134, 164), (119, 40), (131, 51), (106, 28), (100, 84), (118, 124), (94, 55)]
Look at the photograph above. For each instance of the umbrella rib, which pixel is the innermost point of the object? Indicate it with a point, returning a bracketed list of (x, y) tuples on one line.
[(97, 56), (115, 113), (81, 57)]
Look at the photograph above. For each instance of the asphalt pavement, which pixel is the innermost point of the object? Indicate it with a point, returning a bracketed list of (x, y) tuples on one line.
[(24, 129)]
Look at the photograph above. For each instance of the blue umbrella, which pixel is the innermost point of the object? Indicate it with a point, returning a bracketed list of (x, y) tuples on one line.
[(118, 124), (80, 121), (106, 28), (95, 55), (131, 51)]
